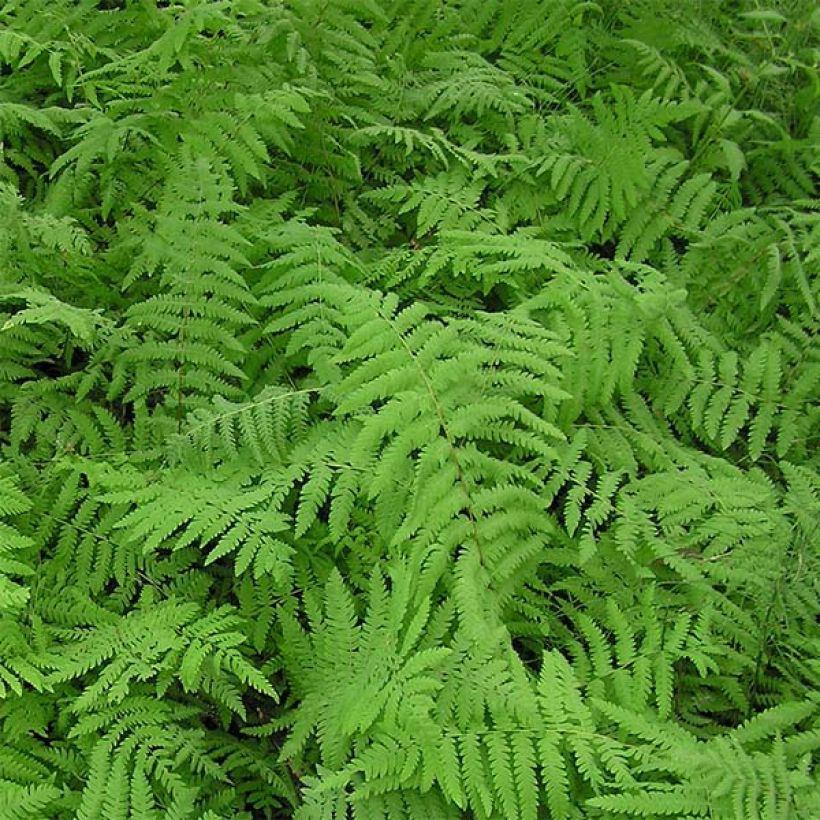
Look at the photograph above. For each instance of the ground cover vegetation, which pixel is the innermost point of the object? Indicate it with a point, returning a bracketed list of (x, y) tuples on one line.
[(409, 409)]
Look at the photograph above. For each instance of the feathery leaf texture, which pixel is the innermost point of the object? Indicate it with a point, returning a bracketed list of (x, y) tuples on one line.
[(409, 410)]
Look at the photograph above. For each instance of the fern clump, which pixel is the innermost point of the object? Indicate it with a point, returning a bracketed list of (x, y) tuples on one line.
[(409, 410)]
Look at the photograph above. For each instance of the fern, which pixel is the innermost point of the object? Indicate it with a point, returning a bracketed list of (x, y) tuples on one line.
[(408, 410)]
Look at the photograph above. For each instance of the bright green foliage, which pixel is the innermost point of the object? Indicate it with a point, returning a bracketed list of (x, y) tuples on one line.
[(409, 409)]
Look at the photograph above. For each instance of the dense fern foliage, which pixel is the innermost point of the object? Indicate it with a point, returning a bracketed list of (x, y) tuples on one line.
[(409, 409)]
